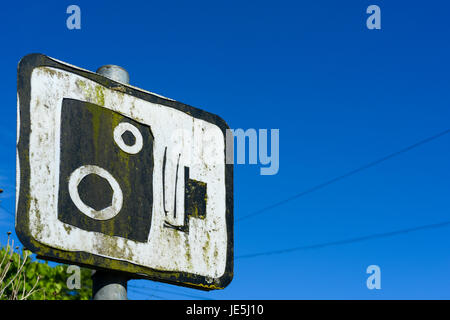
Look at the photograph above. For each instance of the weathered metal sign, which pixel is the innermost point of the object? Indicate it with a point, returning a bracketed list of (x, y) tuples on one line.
[(111, 176)]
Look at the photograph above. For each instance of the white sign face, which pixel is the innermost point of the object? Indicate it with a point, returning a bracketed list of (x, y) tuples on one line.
[(115, 177)]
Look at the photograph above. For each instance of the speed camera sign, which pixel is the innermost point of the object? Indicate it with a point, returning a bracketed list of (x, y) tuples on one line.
[(111, 176)]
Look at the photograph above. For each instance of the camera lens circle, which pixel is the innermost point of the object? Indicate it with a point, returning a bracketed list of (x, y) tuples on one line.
[(123, 127), (117, 198)]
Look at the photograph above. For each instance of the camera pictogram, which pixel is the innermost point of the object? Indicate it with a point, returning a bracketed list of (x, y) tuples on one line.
[(106, 170)]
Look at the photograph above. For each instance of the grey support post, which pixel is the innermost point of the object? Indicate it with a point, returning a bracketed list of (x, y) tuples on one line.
[(109, 285)]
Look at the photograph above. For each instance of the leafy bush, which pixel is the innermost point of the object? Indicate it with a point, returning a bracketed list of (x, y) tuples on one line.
[(21, 278)]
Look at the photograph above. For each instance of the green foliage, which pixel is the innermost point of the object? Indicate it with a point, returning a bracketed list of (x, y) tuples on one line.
[(22, 278)]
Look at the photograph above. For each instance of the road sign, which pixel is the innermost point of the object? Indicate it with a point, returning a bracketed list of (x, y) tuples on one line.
[(111, 176)]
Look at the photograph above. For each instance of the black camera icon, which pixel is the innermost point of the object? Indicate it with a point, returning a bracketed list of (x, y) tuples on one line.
[(106, 170)]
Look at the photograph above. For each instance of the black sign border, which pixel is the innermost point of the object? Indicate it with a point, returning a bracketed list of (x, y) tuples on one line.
[(133, 271)]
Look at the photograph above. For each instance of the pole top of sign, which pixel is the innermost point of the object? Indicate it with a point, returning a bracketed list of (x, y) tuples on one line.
[(115, 73)]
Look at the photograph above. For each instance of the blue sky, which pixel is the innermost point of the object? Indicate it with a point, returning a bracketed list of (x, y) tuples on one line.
[(341, 95)]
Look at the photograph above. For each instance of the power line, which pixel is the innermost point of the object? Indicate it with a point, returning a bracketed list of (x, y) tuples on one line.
[(345, 175), (323, 185), (175, 293), (347, 241), (149, 295)]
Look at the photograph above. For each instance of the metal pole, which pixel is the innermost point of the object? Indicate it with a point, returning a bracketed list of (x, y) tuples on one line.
[(109, 285), (114, 73)]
